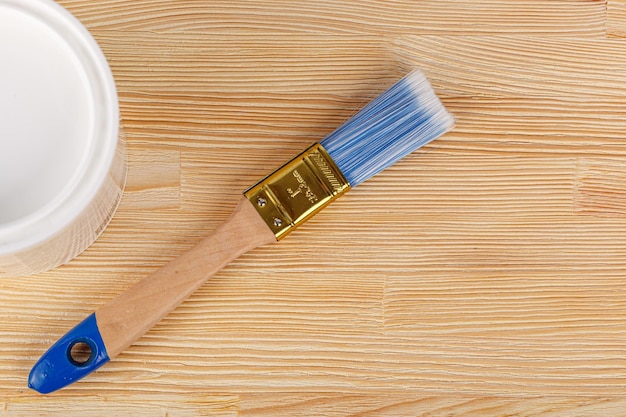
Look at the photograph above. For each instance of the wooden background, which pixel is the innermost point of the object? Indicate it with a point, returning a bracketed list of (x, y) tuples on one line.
[(482, 276)]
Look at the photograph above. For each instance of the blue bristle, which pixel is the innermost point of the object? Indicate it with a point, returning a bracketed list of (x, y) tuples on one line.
[(402, 119)]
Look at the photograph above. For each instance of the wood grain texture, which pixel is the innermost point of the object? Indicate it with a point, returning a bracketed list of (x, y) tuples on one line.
[(140, 405), (616, 15), (481, 276), (559, 18), (154, 179), (351, 405)]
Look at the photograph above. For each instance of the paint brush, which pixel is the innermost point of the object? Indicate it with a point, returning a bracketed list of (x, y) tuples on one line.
[(402, 119)]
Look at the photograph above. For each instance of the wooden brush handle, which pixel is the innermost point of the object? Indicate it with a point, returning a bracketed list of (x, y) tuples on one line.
[(123, 320), (127, 317)]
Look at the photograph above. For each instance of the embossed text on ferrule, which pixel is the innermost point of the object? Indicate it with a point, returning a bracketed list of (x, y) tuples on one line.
[(302, 187)]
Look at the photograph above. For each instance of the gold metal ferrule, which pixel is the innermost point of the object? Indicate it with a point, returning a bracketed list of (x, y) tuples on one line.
[(296, 191)]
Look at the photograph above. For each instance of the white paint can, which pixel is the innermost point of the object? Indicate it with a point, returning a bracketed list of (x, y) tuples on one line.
[(62, 154)]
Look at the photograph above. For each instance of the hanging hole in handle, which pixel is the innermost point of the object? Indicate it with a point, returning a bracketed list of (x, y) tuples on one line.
[(81, 352)]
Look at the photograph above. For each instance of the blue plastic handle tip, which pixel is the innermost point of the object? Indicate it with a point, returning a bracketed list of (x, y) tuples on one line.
[(59, 367)]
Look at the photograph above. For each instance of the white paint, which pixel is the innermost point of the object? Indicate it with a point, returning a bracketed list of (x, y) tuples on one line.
[(58, 123), (46, 112)]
